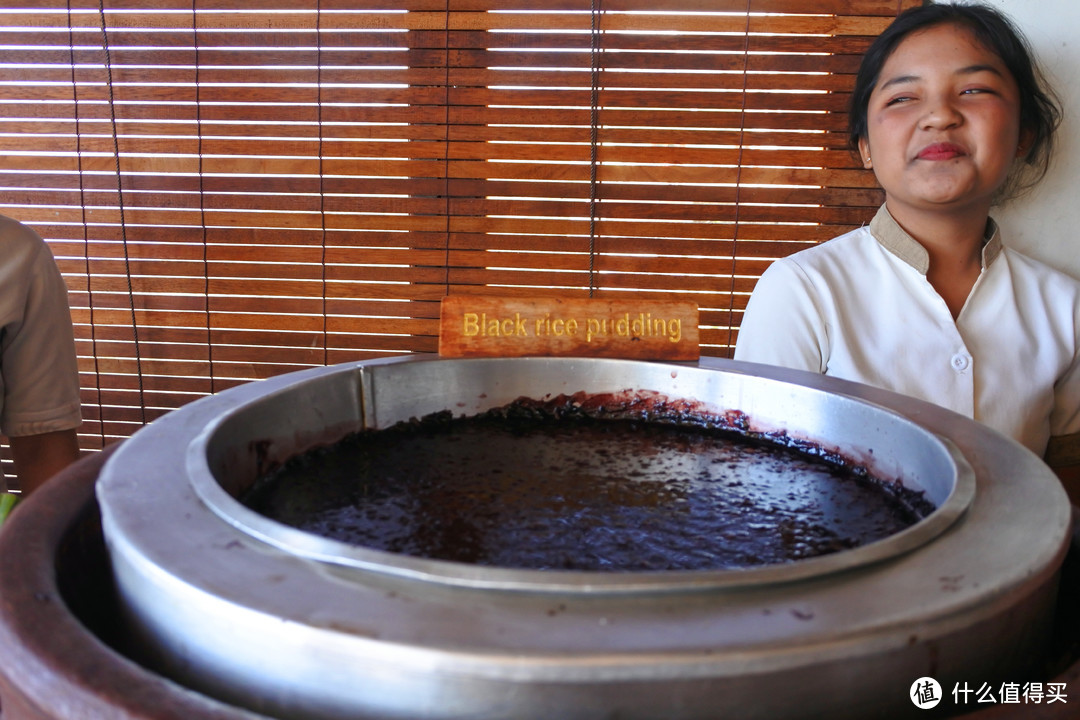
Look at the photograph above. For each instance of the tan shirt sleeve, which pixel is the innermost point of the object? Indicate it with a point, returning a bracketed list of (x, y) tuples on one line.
[(39, 373)]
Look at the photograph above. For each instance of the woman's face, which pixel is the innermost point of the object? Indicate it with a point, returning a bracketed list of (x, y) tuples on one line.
[(943, 123)]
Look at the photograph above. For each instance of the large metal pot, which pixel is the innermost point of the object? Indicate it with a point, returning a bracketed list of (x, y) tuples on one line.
[(291, 625)]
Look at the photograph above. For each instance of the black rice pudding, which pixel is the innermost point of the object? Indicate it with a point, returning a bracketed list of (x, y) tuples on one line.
[(586, 482)]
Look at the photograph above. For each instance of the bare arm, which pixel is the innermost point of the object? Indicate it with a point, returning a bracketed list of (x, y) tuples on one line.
[(39, 457), (1063, 457)]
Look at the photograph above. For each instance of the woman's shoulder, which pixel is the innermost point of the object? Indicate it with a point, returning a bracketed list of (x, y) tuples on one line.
[(1026, 268), (852, 248), (1036, 284)]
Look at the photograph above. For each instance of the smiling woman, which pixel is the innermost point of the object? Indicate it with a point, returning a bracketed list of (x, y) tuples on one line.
[(234, 192), (942, 134), (927, 300)]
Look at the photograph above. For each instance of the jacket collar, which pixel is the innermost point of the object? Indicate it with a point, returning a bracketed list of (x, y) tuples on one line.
[(896, 240)]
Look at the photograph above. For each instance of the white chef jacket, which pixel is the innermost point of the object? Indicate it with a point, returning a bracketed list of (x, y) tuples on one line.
[(859, 307)]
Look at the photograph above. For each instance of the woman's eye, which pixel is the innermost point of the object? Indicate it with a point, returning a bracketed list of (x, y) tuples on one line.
[(898, 100)]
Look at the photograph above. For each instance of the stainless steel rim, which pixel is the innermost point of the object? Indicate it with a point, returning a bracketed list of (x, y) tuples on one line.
[(960, 480)]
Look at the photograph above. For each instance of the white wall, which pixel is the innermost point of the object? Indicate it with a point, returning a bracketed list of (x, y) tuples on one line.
[(1046, 223)]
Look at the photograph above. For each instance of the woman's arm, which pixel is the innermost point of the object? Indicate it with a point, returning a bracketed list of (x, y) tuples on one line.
[(1063, 457), (39, 457), (783, 322)]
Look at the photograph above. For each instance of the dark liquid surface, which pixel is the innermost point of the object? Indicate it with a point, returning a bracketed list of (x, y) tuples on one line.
[(587, 494)]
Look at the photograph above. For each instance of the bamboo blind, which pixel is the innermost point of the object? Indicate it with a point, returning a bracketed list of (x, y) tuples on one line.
[(236, 189)]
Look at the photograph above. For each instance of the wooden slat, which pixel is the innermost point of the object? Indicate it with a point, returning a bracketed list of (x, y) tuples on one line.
[(231, 194)]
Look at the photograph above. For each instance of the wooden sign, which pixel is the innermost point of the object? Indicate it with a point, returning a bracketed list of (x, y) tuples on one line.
[(481, 326)]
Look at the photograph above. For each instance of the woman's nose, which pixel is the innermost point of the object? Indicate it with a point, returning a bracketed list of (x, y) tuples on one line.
[(941, 112)]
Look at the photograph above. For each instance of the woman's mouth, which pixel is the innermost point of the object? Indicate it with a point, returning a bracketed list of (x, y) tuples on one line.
[(941, 151)]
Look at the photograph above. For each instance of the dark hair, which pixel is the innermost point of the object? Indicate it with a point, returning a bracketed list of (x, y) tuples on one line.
[(1040, 111)]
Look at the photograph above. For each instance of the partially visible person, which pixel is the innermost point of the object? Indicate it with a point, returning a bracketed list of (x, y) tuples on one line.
[(950, 112), (40, 410)]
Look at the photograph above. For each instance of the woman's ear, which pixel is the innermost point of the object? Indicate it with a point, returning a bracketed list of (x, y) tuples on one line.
[(1023, 146), (864, 153)]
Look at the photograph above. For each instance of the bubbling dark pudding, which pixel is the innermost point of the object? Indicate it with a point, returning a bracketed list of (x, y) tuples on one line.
[(590, 483)]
